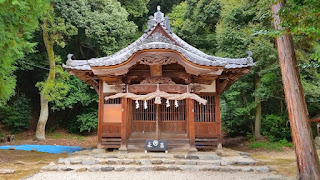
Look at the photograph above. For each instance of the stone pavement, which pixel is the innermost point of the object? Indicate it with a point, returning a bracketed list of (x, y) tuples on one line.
[(99, 161)]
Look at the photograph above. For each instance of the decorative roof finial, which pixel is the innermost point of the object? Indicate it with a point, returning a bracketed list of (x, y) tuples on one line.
[(158, 16), (69, 56), (69, 59), (249, 58)]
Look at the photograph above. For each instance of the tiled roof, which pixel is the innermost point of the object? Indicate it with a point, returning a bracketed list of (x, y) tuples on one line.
[(159, 41)]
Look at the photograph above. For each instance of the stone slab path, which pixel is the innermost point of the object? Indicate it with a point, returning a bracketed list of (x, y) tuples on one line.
[(98, 164)]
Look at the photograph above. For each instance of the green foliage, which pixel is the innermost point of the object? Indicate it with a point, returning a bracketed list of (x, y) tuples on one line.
[(198, 24), (237, 110), (166, 6), (85, 122), (57, 89), (103, 26), (78, 91), (18, 20), (302, 17), (136, 8), (309, 67), (177, 15), (276, 128), (278, 146), (17, 114)]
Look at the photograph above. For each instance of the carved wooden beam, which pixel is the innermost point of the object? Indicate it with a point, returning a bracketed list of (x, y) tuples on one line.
[(222, 86), (148, 88)]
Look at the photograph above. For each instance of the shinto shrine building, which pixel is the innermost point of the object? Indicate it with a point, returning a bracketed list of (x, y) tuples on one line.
[(159, 87)]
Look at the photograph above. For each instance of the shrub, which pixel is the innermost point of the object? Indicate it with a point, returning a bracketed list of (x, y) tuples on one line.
[(276, 128), (85, 122), (16, 116)]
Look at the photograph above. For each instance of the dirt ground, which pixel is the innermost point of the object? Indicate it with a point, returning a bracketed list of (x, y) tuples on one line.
[(283, 162), (58, 137), (27, 163)]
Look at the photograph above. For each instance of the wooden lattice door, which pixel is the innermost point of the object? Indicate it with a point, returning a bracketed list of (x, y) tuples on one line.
[(144, 120), (171, 119)]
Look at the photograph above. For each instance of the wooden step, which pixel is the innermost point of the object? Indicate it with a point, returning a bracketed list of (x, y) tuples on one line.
[(110, 142), (110, 146), (206, 143)]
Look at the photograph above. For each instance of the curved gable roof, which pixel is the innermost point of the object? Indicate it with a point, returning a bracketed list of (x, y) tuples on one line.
[(153, 38)]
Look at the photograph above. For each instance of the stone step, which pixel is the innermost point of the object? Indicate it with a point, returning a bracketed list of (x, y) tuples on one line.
[(104, 168), (152, 135), (174, 146), (178, 160)]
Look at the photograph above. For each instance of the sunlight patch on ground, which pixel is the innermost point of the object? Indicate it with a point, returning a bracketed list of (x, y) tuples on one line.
[(25, 162)]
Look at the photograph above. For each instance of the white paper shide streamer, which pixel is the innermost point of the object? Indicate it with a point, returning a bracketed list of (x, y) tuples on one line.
[(157, 95), (137, 104)]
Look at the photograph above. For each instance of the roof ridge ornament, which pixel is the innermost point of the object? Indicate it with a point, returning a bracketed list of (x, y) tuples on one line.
[(69, 59), (157, 37), (249, 58), (158, 16)]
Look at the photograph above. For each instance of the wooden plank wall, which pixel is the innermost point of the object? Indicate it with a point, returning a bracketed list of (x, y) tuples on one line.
[(205, 116), (110, 129)]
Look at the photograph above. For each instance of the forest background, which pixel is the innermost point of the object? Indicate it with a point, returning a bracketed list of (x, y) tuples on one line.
[(37, 35)]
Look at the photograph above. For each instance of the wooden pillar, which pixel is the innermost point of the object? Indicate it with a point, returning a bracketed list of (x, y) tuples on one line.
[(100, 113), (129, 119), (157, 121), (217, 114), (123, 146), (191, 130), (306, 154)]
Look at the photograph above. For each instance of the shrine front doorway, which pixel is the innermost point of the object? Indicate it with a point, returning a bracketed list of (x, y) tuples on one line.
[(169, 118)]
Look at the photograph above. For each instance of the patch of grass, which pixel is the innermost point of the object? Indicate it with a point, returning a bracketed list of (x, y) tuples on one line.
[(278, 146), (67, 136), (80, 138), (56, 136), (71, 136), (75, 136)]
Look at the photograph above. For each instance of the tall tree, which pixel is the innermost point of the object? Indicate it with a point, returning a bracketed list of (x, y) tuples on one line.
[(103, 28), (306, 154), (258, 115), (18, 19), (53, 31)]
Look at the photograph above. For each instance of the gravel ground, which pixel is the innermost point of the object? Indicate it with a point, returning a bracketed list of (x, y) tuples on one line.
[(178, 175)]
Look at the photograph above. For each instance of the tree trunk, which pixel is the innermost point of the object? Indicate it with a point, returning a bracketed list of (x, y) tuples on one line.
[(306, 155), (257, 122), (44, 112)]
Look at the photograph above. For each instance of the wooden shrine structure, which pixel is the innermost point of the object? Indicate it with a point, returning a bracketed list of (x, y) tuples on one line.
[(159, 61)]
